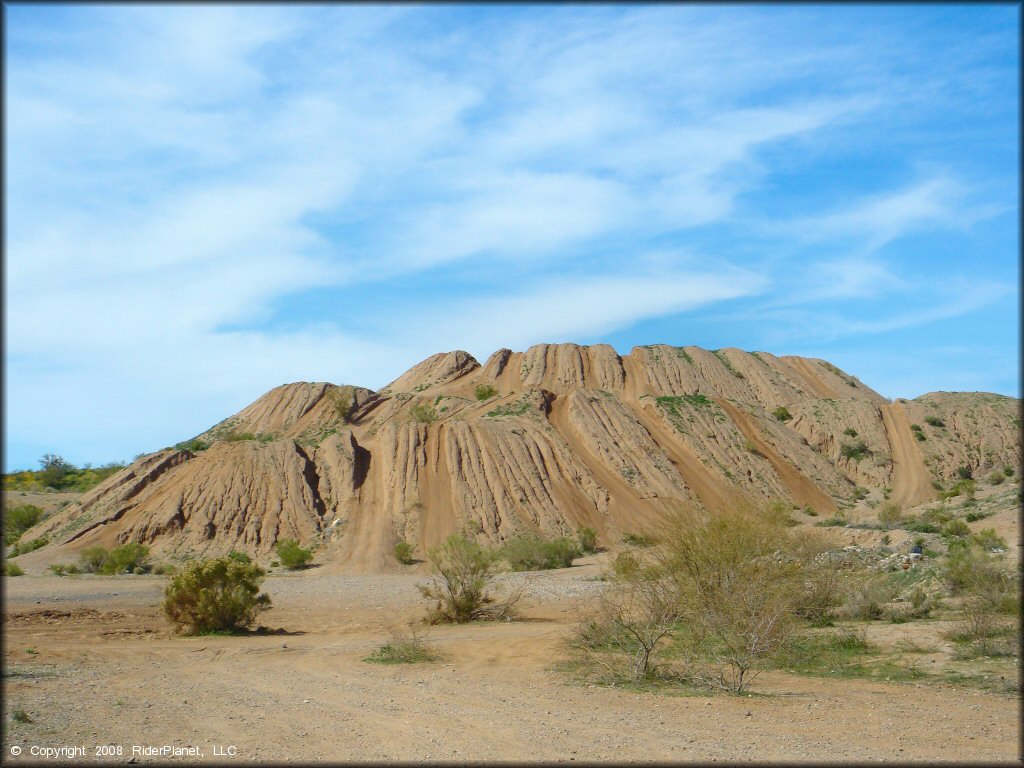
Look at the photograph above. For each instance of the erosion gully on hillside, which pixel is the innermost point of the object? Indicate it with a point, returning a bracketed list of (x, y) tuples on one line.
[(544, 440)]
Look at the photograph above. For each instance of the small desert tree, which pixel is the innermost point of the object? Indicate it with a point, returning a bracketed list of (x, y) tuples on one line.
[(738, 580), (219, 595), (463, 572)]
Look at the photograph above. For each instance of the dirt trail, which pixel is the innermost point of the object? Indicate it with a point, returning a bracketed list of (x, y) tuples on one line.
[(437, 518), (800, 487), (95, 678), (806, 373), (710, 490), (619, 493), (911, 483)]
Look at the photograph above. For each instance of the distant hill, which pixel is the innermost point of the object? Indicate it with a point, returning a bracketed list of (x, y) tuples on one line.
[(544, 440)]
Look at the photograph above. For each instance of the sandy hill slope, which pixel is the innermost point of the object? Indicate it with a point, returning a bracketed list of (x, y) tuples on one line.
[(544, 440)]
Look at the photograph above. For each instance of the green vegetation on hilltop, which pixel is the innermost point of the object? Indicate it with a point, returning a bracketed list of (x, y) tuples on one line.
[(61, 475)]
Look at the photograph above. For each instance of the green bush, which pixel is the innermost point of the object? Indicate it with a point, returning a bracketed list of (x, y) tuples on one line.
[(13, 569), (964, 473), (530, 552), (19, 519), (1008, 471), (587, 538), (996, 478), (219, 595), (292, 556), (240, 557), (637, 539), (934, 421), (890, 514), (403, 553), (195, 445), (92, 559), (125, 559), (855, 451), (989, 540), (461, 583), (484, 391), (920, 526), (21, 547), (850, 432), (423, 413), (955, 528), (782, 413)]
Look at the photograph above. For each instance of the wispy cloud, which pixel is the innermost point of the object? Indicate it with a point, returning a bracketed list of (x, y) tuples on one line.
[(182, 180)]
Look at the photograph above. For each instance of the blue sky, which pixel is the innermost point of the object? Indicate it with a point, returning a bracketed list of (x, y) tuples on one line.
[(204, 202)]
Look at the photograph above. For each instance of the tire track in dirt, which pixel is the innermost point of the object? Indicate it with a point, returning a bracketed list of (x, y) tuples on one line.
[(805, 372), (800, 487), (711, 492), (622, 501), (911, 483)]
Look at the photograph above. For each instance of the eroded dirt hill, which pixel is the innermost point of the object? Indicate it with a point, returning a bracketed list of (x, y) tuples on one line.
[(544, 440)]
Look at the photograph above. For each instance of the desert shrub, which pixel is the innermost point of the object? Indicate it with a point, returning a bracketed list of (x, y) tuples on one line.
[(1008, 471), (782, 413), (996, 478), (407, 645), (989, 540), (964, 488), (854, 451), (738, 578), (934, 421), (239, 557), (637, 539), (967, 567), (867, 598), (218, 595), (919, 605), (824, 589), (916, 525), (988, 593), (964, 472), (461, 583), (341, 399), (975, 515), (13, 569), (125, 559), (58, 568), (403, 553), (622, 631), (21, 547), (92, 559), (530, 552), (955, 528), (423, 413), (890, 514), (292, 556), (587, 539), (163, 569), (850, 432), (19, 519), (20, 716), (484, 392), (195, 445)]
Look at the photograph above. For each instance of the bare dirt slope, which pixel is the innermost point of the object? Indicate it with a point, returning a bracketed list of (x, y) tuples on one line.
[(91, 662), (545, 440), (911, 484)]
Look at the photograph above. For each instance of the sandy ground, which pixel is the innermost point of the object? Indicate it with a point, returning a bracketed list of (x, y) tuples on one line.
[(92, 662)]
